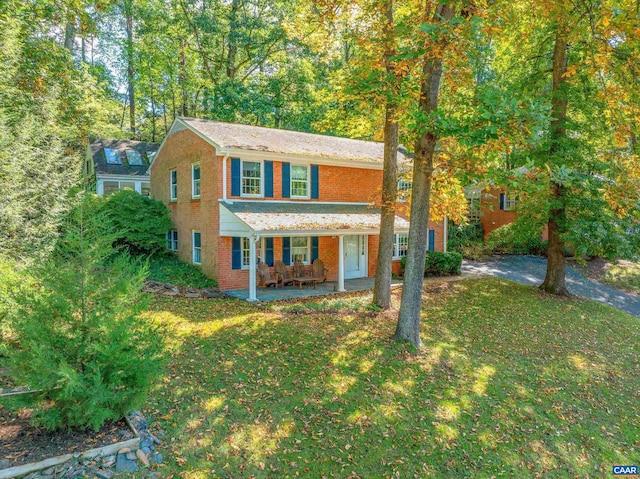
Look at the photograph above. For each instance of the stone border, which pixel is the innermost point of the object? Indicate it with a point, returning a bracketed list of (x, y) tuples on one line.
[(108, 450)]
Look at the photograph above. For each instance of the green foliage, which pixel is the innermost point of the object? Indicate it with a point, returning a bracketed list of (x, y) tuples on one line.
[(167, 268), (82, 340), (141, 223), (509, 239), (438, 263), (461, 236)]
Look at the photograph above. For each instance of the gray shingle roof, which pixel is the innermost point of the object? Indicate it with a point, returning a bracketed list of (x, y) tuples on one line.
[(258, 138), (271, 216), (100, 161)]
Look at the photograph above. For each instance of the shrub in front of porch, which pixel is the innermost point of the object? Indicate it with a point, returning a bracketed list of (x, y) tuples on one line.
[(438, 263)]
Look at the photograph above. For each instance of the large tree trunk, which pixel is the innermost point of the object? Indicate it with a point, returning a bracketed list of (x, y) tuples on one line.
[(69, 35), (130, 67), (233, 40), (408, 328), (554, 281), (382, 285)]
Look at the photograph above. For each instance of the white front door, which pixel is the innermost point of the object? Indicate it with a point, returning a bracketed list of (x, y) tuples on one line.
[(355, 256)]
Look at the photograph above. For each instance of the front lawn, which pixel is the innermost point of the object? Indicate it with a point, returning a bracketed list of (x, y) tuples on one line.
[(624, 275), (510, 383)]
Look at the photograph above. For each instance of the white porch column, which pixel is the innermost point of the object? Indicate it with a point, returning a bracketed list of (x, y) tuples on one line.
[(341, 263), (252, 270), (446, 234)]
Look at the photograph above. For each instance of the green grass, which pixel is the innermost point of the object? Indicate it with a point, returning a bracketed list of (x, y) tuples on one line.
[(624, 276), (510, 383), (169, 269)]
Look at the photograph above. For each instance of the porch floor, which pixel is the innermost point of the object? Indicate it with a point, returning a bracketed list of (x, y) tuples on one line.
[(321, 289)]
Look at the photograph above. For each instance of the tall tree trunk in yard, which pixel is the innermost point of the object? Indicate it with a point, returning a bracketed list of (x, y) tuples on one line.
[(408, 327), (130, 67), (69, 35), (554, 281), (382, 285)]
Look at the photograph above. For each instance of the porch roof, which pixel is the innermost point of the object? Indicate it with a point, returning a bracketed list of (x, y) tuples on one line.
[(271, 218)]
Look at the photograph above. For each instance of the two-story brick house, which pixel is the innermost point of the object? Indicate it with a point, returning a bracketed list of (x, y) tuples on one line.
[(239, 194)]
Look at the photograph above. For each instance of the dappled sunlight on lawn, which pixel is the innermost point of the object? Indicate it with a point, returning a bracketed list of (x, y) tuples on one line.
[(501, 388)]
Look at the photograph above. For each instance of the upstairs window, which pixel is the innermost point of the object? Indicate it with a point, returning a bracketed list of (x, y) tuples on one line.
[(508, 202), (400, 245), (404, 190), (251, 178), (134, 158), (172, 240), (195, 181), (112, 156), (173, 184), (299, 181)]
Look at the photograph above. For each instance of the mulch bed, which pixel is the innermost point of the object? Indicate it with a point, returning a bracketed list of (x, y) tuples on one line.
[(23, 443)]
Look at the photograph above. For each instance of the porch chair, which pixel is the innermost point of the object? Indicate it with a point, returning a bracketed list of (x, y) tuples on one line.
[(319, 271), (285, 276), (264, 276), (300, 269)]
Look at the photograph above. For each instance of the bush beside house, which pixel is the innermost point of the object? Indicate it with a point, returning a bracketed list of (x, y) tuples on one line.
[(438, 263)]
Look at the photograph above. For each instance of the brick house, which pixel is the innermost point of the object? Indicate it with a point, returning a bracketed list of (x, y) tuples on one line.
[(492, 207), (241, 194), (114, 165)]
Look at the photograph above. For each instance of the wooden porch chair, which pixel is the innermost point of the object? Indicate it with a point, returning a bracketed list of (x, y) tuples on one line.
[(285, 275), (264, 276), (319, 271), (299, 269)]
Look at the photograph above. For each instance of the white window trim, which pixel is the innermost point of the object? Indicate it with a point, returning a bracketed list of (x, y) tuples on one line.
[(247, 195), (193, 181), (261, 252), (510, 203), (308, 195), (396, 244), (172, 240), (193, 247), (291, 258), (171, 196)]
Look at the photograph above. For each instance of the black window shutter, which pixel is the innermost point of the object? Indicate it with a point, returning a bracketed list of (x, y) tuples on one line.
[(286, 250), (286, 180), (314, 248), (235, 176), (268, 254), (502, 201), (236, 253), (268, 179), (315, 182)]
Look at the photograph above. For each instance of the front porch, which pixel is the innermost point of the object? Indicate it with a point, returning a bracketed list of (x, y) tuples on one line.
[(321, 289)]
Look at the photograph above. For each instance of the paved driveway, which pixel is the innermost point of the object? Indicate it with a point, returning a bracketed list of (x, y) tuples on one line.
[(531, 270)]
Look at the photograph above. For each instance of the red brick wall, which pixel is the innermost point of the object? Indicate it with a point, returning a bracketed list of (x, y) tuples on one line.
[(492, 217), (179, 152), (355, 185)]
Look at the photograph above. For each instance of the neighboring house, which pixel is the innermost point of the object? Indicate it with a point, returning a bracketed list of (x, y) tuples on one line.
[(239, 194), (114, 165), (493, 208)]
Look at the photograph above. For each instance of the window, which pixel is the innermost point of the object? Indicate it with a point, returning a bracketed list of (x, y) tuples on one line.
[(246, 259), (128, 185), (400, 244), (510, 202), (112, 156), (195, 181), (300, 249), (404, 190), (173, 182), (109, 187), (197, 254), (134, 158), (145, 189), (299, 181), (251, 178), (172, 240)]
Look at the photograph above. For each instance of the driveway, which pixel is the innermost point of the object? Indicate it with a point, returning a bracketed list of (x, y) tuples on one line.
[(531, 270)]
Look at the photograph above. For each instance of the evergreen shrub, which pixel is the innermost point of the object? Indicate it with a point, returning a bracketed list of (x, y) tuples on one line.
[(438, 263)]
